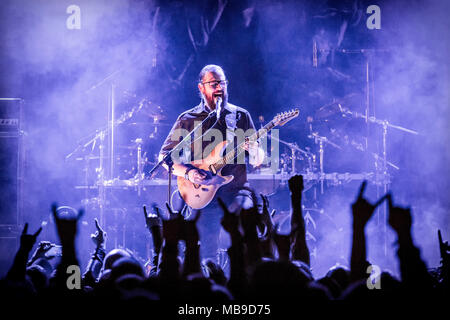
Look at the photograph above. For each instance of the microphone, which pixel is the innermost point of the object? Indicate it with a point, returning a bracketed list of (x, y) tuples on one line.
[(218, 106)]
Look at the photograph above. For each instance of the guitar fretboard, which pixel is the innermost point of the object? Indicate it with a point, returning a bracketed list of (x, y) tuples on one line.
[(231, 155)]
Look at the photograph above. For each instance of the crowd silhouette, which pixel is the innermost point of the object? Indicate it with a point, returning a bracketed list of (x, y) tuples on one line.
[(264, 266)]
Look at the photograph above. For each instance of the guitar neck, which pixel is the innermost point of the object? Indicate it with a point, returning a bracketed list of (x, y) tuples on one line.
[(227, 158)]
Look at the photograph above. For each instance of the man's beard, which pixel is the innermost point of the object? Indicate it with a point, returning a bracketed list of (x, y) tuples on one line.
[(212, 102)]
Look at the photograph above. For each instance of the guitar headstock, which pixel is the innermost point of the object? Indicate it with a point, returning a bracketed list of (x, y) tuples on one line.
[(282, 118)]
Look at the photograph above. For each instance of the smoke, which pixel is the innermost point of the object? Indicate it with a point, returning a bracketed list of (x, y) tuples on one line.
[(412, 92), (65, 77), (410, 89)]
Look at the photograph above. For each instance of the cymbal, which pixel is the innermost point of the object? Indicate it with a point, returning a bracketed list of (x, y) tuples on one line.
[(327, 110), (151, 110), (334, 107)]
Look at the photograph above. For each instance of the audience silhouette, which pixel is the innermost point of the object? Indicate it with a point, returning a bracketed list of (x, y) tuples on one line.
[(264, 265)]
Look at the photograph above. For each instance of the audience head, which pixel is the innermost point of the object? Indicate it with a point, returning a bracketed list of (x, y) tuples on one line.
[(126, 266), (113, 256), (38, 277), (340, 274), (277, 279)]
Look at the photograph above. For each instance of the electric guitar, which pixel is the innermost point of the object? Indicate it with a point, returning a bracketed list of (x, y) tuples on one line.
[(198, 196)]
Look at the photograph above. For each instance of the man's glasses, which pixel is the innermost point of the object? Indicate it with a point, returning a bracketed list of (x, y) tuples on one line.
[(214, 84)]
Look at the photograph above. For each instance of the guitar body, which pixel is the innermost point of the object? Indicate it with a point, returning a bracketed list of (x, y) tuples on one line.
[(199, 196)]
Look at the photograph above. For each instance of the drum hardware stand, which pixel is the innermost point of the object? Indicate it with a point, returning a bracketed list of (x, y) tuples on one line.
[(101, 178), (370, 113), (140, 165), (294, 147), (320, 140), (100, 135), (111, 129)]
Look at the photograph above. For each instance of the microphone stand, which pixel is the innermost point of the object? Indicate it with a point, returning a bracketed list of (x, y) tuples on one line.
[(168, 157)]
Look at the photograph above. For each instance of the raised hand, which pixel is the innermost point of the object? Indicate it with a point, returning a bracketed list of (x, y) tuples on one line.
[(283, 243), (190, 231), (173, 227), (99, 236), (249, 221), (296, 188), (266, 228), (363, 209), (362, 212), (42, 249), (296, 185), (153, 219), (41, 252), (66, 226), (229, 221), (444, 247), (266, 217), (17, 270), (214, 272), (27, 241), (154, 224), (399, 218)]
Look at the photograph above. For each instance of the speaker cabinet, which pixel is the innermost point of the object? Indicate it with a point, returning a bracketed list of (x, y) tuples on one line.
[(9, 243), (10, 160)]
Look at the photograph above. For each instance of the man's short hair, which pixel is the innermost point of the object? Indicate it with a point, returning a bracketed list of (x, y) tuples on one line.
[(210, 68)]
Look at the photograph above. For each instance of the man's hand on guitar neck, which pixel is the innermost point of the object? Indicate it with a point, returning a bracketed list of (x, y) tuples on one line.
[(256, 154)]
